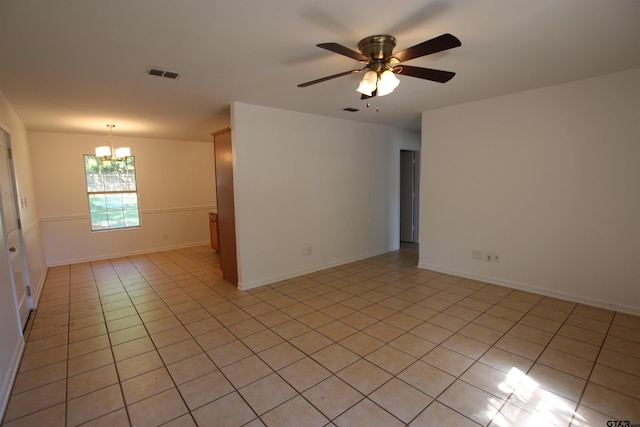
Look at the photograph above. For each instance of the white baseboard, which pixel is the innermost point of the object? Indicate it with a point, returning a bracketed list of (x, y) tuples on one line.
[(536, 289), (10, 376), (36, 291), (244, 286), (129, 253)]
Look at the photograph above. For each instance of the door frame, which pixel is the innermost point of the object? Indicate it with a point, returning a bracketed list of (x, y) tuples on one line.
[(6, 135)]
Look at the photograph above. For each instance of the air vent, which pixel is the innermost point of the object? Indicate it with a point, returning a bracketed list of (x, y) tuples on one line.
[(351, 109), (162, 73)]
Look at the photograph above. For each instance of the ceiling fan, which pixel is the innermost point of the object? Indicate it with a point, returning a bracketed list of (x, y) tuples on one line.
[(376, 52)]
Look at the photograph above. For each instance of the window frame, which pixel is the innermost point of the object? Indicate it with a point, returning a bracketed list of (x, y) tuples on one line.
[(119, 212)]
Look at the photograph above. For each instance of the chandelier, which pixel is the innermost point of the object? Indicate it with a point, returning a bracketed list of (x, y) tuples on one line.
[(107, 152)]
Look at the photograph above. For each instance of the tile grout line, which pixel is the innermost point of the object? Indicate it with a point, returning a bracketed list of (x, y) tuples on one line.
[(157, 349), (593, 366), (435, 398), (189, 410), (106, 326)]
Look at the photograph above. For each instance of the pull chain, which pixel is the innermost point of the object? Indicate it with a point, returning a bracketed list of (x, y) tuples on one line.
[(377, 105)]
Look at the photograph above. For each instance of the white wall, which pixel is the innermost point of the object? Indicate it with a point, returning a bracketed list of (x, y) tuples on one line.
[(549, 179), (11, 340), (310, 181), (176, 190)]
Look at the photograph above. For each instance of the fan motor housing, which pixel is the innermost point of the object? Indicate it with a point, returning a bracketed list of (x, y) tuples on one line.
[(378, 48)]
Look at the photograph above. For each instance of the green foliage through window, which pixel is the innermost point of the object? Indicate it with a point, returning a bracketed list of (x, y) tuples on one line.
[(112, 191)]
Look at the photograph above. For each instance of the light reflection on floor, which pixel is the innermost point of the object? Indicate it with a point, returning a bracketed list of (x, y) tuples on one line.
[(532, 406)]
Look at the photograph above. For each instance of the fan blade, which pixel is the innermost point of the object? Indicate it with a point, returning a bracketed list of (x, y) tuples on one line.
[(338, 48), (425, 73), (437, 44), (324, 79)]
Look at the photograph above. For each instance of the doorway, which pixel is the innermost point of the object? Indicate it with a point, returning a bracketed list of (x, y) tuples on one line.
[(12, 230), (409, 172)]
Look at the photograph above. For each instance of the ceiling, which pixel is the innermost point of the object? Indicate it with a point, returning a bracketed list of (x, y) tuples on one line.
[(76, 65)]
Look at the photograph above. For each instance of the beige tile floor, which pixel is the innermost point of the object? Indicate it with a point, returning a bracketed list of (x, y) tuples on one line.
[(160, 339)]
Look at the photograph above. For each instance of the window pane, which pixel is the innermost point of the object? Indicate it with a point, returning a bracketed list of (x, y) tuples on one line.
[(130, 201), (95, 183), (91, 164), (129, 175), (131, 218), (112, 182), (116, 219), (99, 220), (97, 202), (114, 201), (128, 183)]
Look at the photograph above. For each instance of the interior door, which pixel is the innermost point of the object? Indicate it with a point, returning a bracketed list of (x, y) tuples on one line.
[(12, 230), (408, 177)]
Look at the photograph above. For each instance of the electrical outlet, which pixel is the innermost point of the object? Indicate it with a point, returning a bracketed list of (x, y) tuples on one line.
[(306, 251), (492, 257), (475, 254)]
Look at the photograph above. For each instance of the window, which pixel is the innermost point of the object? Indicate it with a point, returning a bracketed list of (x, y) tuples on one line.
[(113, 194)]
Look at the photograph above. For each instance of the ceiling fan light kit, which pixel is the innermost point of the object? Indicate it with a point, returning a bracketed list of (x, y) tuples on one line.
[(387, 83), (376, 52), (368, 83)]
